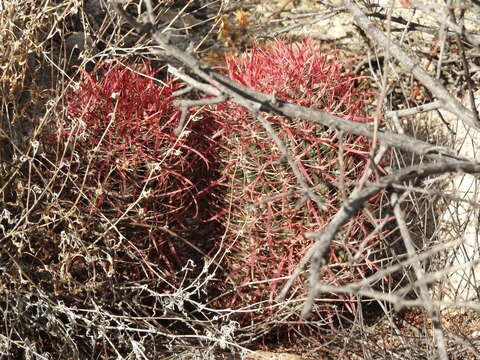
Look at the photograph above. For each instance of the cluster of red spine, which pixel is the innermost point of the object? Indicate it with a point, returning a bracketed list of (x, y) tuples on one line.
[(118, 137), (269, 214), (126, 164)]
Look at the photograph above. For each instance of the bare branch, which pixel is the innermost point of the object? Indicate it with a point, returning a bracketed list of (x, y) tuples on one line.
[(192, 82), (301, 180), (415, 110), (420, 273), (324, 242), (185, 105)]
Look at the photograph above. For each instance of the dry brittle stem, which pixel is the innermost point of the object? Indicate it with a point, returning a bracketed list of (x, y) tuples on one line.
[(420, 273)]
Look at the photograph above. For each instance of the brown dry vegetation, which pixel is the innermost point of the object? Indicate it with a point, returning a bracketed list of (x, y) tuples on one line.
[(103, 255)]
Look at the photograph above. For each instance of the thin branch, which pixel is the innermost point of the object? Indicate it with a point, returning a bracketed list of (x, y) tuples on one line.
[(415, 110), (420, 273), (301, 180), (208, 89), (324, 240), (283, 108), (185, 105), (151, 18)]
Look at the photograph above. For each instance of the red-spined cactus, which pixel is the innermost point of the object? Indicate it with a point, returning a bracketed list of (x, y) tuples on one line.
[(126, 167), (269, 215)]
